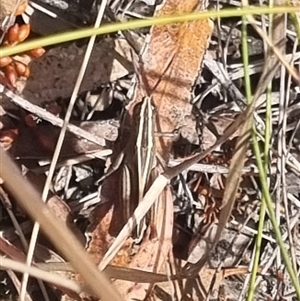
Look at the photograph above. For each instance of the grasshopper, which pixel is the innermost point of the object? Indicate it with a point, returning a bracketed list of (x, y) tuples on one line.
[(137, 157), (136, 161), (145, 152)]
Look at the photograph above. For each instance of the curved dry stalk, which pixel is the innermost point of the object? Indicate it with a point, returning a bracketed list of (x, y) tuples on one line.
[(59, 144), (235, 169), (57, 232)]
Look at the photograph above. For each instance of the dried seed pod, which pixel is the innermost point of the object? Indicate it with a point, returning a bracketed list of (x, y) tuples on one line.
[(21, 8), (5, 82), (5, 43), (24, 58), (27, 72), (8, 137), (20, 68), (4, 61), (10, 74), (37, 52), (23, 32), (12, 34)]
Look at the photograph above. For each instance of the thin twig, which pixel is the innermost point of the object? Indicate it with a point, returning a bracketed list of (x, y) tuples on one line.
[(59, 144), (56, 121)]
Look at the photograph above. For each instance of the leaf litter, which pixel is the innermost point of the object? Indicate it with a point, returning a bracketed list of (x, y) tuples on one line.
[(199, 208)]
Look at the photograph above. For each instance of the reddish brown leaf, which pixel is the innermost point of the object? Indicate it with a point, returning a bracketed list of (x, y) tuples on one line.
[(171, 63)]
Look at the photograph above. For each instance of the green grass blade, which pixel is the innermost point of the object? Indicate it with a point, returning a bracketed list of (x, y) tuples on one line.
[(263, 206), (110, 28), (269, 204)]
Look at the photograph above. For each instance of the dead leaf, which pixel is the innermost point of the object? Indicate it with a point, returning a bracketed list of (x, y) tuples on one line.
[(170, 64)]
